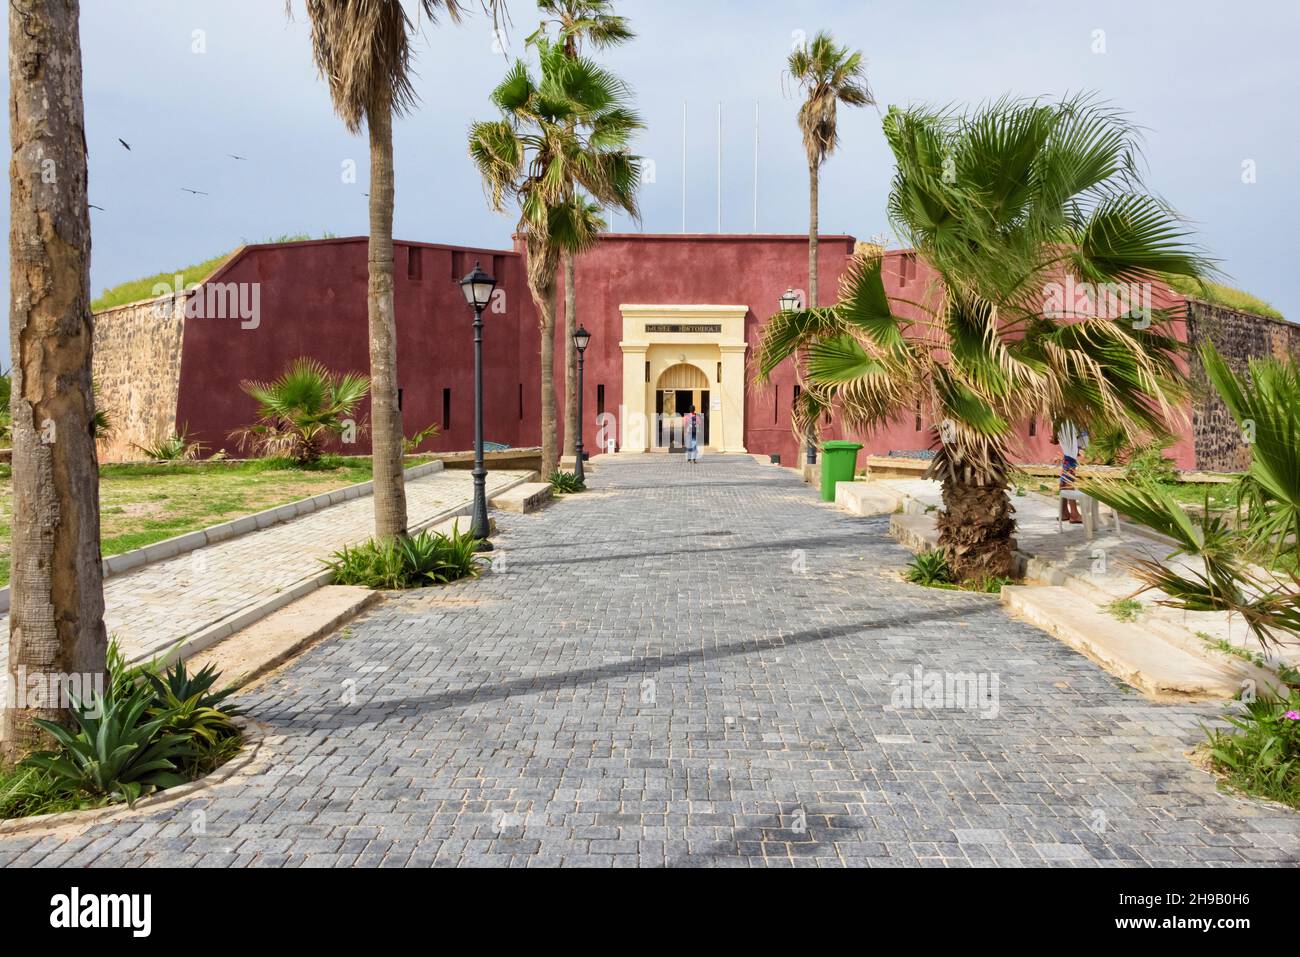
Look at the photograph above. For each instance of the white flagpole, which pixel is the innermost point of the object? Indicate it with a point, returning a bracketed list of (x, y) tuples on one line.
[(719, 166), (683, 166), (756, 166)]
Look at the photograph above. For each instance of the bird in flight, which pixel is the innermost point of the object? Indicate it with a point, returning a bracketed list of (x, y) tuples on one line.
[(196, 192), (124, 143), (234, 157)]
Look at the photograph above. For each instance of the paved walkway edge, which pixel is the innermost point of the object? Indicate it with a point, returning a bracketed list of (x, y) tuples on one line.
[(1163, 672), (241, 763), (181, 544), (237, 621)]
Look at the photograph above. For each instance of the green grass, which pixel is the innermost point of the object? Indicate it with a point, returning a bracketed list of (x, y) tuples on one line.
[(138, 289), (1124, 609), (135, 290), (143, 503), (27, 791), (1222, 295), (1261, 755)]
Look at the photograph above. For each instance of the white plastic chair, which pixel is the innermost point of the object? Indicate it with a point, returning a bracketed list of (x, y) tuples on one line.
[(1089, 509)]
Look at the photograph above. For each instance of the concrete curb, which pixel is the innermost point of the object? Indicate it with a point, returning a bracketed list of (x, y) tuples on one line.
[(243, 618), (190, 541), (254, 740)]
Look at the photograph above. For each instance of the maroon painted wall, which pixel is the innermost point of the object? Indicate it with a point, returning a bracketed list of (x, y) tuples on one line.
[(313, 302), (692, 270)]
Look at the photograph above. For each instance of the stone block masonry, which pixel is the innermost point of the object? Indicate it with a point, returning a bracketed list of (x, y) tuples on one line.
[(1239, 337)]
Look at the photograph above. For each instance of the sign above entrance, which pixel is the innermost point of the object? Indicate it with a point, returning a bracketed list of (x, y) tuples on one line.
[(673, 327)]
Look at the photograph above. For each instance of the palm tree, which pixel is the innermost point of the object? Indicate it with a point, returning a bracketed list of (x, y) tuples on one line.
[(56, 617), (828, 75), (562, 132), (576, 22), (1003, 205), (301, 410), (1252, 570), (363, 50)]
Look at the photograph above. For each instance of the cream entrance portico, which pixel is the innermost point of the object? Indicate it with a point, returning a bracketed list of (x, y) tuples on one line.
[(709, 338)]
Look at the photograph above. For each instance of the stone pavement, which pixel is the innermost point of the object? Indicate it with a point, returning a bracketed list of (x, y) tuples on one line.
[(698, 666), (1102, 564), (150, 608)]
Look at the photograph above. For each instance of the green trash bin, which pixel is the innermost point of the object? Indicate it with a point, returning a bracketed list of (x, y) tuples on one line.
[(839, 462)]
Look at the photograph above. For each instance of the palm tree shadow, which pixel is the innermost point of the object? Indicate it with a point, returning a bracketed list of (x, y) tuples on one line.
[(375, 712)]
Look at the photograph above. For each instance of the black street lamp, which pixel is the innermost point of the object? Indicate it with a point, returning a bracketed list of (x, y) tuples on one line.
[(581, 337), (789, 303), (477, 287)]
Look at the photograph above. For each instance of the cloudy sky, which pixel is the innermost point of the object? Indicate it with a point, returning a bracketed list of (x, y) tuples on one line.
[(188, 82)]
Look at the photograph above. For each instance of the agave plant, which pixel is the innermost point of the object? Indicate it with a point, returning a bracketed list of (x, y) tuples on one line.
[(1002, 205), (929, 568), (566, 483), (118, 749), (301, 410), (410, 562)]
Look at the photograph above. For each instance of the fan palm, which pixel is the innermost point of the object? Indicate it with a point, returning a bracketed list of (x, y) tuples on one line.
[(1002, 204), (1266, 405), (562, 132), (828, 75), (299, 411), (363, 50), (576, 22)]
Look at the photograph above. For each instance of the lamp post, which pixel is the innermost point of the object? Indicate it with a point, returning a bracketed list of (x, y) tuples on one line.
[(789, 303), (477, 287), (581, 337)]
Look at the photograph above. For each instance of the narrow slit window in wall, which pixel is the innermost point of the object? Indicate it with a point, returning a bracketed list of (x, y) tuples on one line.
[(446, 409), (600, 400)]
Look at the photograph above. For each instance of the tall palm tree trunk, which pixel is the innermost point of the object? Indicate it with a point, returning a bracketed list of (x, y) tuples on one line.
[(976, 527), (814, 225), (386, 424), (571, 423), (56, 619), (545, 299)]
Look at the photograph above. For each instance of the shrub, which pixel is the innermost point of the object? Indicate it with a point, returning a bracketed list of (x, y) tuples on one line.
[(153, 729), (1148, 463), (423, 559), (299, 411), (929, 568), (1262, 756), (118, 751), (566, 483), (176, 447)]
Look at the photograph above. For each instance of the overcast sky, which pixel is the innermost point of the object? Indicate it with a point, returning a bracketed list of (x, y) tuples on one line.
[(1214, 84)]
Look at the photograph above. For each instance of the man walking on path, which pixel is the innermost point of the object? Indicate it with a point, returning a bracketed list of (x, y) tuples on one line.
[(691, 425)]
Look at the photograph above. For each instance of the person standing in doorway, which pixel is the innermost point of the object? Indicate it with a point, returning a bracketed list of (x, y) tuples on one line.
[(691, 426)]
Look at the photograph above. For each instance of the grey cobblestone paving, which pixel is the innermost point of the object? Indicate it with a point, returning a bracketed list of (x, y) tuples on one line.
[(697, 667), (150, 608)]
